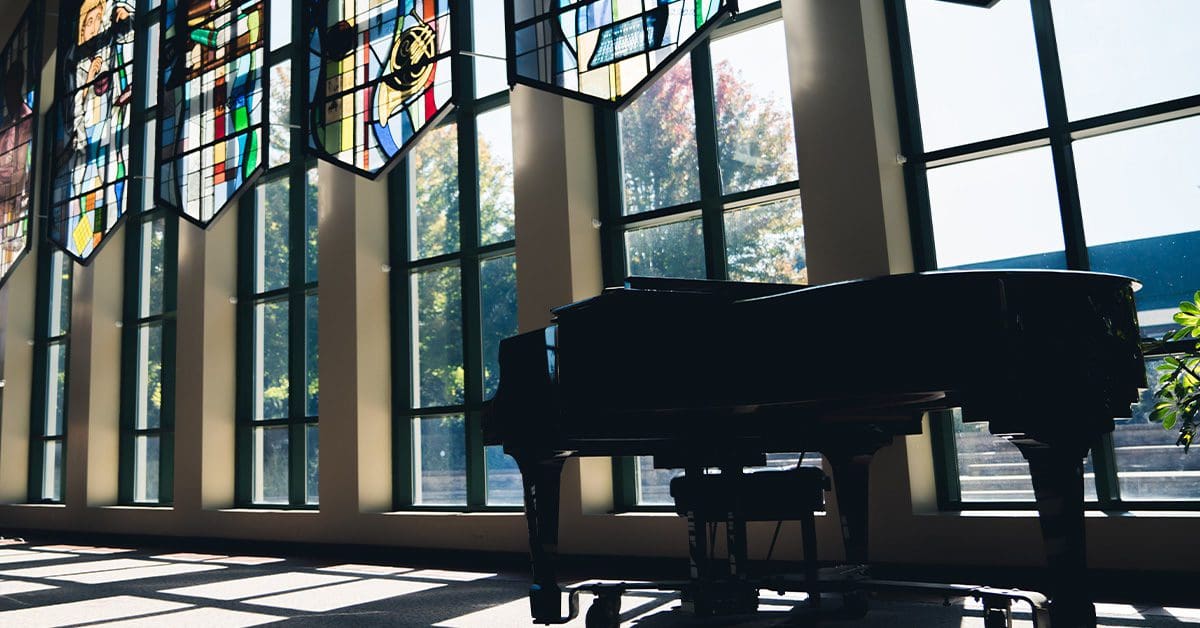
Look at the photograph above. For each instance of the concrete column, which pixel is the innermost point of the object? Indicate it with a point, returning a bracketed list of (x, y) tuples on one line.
[(206, 340), (353, 344), (16, 361), (847, 139)]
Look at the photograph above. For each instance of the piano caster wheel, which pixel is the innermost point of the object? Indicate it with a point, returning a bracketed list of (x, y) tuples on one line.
[(854, 604), (605, 612)]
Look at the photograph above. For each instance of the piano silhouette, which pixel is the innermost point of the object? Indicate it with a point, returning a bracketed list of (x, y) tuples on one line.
[(707, 375)]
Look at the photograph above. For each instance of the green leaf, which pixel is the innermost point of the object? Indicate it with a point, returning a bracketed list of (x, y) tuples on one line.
[(1189, 308), (1169, 421), (1196, 297)]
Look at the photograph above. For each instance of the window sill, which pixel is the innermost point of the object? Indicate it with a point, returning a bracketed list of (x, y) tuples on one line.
[(139, 507), (1088, 514)]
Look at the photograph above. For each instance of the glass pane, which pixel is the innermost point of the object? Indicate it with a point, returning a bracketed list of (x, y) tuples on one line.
[(312, 468), (998, 212), (1117, 54), (152, 69), (148, 165), (149, 379), (310, 224), (271, 236), (271, 360), (52, 471), (991, 469), (504, 487), (766, 243), (498, 302), (491, 74), (281, 23), (153, 268), (60, 293), (977, 71), (433, 172), (654, 485), (659, 166), (271, 465), (1139, 193), (279, 116), (441, 461), (145, 468), (312, 376), (1150, 466), (495, 176), (56, 389), (671, 250), (437, 362), (754, 109)]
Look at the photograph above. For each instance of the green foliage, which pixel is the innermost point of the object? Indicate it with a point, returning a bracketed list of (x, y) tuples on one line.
[(1177, 391)]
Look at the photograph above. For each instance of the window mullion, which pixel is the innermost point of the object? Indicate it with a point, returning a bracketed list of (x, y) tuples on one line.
[(400, 302), (709, 162)]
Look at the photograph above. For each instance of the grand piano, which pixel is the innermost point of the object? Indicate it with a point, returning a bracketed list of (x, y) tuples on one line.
[(713, 375)]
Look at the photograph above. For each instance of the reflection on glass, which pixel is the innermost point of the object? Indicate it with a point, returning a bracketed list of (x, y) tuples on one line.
[(279, 115), (654, 485), (991, 469), (671, 250), (977, 71), (997, 212), (1140, 195), (149, 377), (754, 109), (56, 391), (504, 487), (441, 461), (312, 376), (1118, 55), (145, 469), (433, 173), (61, 269), (153, 269), (312, 467), (311, 256), (487, 24), (281, 23), (150, 150), (495, 172), (271, 465), (271, 236), (1150, 466), (659, 166), (437, 362), (271, 360), (766, 243), (498, 304), (152, 72), (52, 471)]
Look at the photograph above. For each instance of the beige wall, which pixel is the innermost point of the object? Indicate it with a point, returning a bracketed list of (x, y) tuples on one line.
[(856, 226)]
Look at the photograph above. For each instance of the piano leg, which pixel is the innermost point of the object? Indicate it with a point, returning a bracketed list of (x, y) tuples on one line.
[(851, 479), (542, 479), (1057, 474)]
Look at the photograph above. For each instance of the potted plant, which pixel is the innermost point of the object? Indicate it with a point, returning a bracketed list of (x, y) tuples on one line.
[(1177, 389)]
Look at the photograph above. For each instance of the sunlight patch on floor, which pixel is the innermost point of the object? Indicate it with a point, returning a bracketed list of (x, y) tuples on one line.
[(10, 556), (243, 588), (137, 573), (55, 571), (366, 570), (196, 618), (13, 587), (449, 576), (337, 596), (86, 612)]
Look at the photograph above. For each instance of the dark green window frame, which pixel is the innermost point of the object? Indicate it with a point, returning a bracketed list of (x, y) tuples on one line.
[(711, 206), (142, 215), (295, 172), (1058, 136), (43, 342), (467, 259)]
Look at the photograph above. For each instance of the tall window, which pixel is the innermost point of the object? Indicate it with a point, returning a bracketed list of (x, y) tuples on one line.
[(278, 386), (48, 434), (1056, 134), (148, 330), (454, 286), (701, 182)]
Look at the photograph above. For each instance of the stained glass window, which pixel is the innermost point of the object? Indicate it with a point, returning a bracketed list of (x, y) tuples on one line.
[(211, 115), (18, 67), (605, 50), (91, 123), (379, 74)]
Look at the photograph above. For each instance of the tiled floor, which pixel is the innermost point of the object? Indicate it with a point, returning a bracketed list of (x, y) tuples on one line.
[(72, 585)]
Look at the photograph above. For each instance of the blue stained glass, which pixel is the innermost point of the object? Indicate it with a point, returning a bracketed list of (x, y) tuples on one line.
[(18, 125)]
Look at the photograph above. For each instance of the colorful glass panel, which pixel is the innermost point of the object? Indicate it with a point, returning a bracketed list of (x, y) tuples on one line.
[(18, 67), (211, 115), (91, 123), (604, 51), (378, 74)]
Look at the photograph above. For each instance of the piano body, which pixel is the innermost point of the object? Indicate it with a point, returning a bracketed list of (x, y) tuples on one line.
[(715, 374)]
